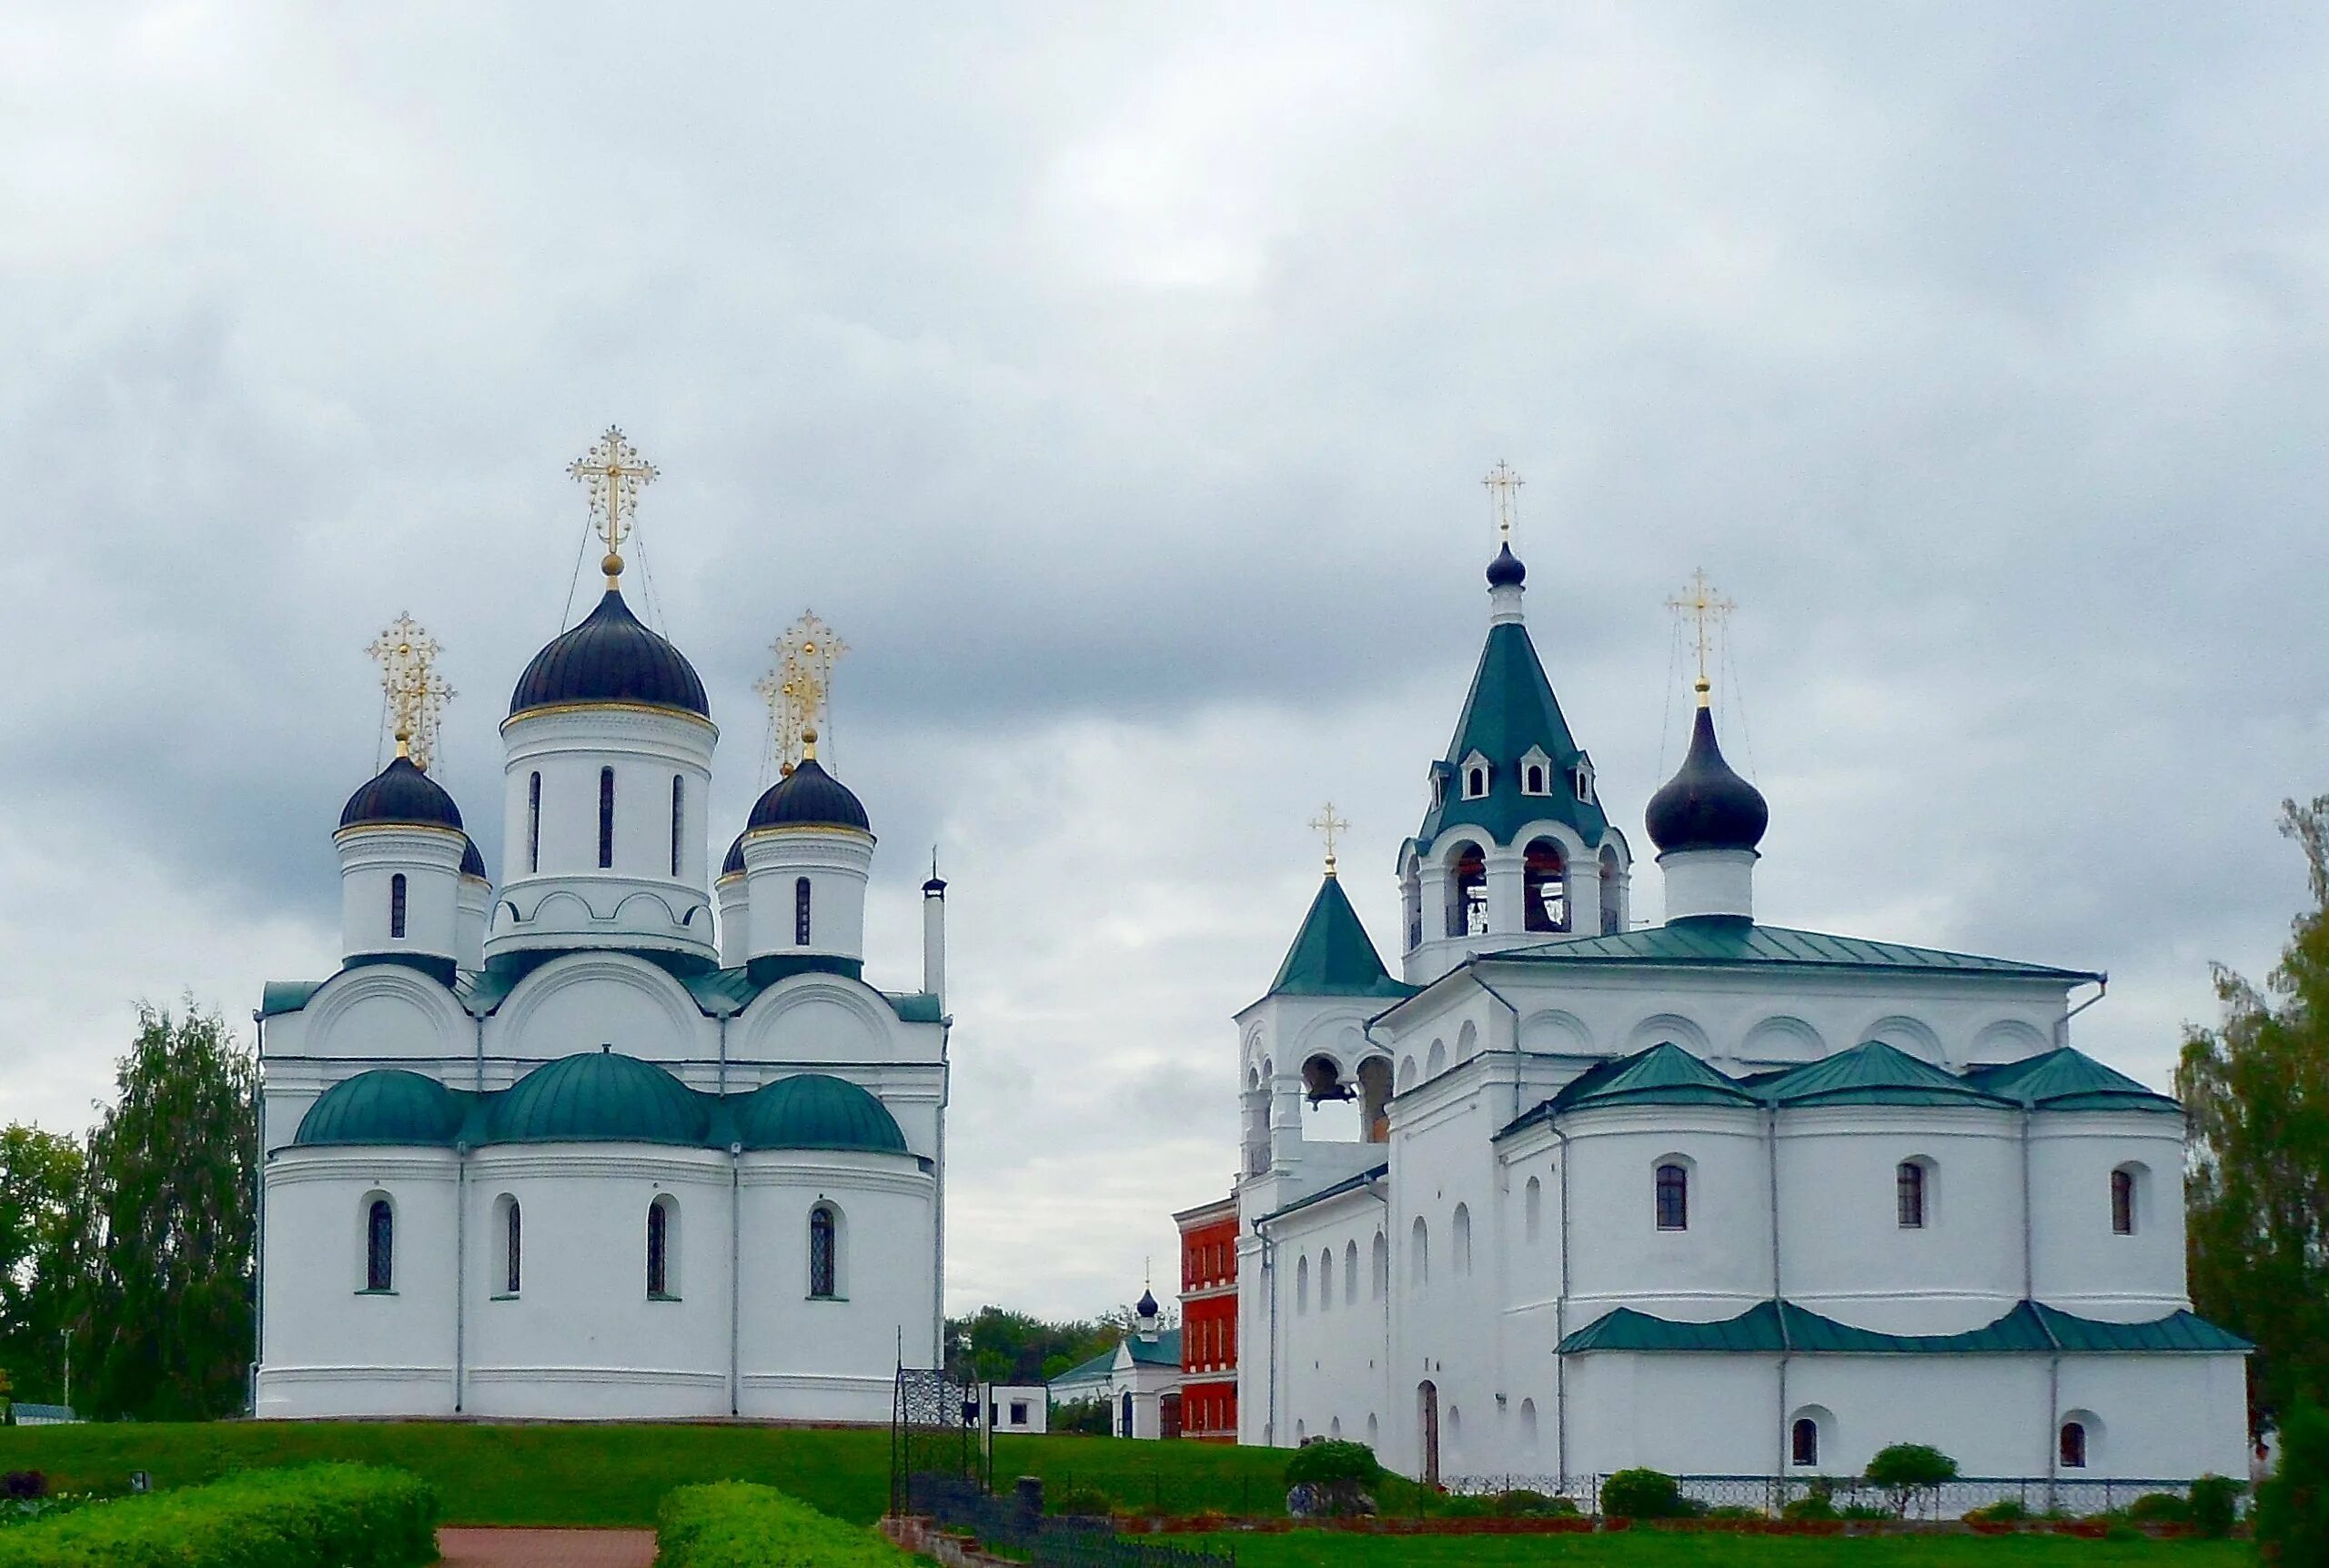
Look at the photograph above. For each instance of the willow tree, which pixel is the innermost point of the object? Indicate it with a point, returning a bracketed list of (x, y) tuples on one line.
[(2257, 1184), (162, 1311)]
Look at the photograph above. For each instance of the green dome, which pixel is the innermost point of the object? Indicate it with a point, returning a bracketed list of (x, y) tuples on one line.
[(601, 1096), (386, 1105), (812, 1111)]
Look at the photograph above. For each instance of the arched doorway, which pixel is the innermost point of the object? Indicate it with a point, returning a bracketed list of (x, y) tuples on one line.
[(1427, 1398), (1124, 1428)]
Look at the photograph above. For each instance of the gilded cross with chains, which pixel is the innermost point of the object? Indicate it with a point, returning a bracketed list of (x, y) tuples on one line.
[(613, 472), (1705, 610), (1504, 497), (797, 689), (1333, 827), (416, 694)]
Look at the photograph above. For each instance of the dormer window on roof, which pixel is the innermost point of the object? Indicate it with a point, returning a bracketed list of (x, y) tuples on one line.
[(1536, 772), (1584, 778), (1476, 773)]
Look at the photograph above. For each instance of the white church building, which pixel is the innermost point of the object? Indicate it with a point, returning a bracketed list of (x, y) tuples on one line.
[(1713, 1196), (622, 1133)]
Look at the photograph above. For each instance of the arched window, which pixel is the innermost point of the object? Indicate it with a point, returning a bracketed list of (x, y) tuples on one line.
[(1302, 1285), (1467, 891), (679, 817), (606, 818), (1534, 1207), (1803, 1441), (1379, 1281), (511, 1276), (1536, 785), (801, 912), (1419, 1255), (825, 1253), (1613, 916), (1124, 1411), (1909, 1193), (661, 1215), (379, 1245), (396, 906), (2123, 1201), (1528, 1428), (1476, 783), (1673, 1197), (1350, 1274), (534, 823), (1327, 1280), (1462, 1252), (1547, 886), (2073, 1450)]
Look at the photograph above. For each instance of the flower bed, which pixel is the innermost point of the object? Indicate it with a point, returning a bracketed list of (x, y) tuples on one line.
[(312, 1517)]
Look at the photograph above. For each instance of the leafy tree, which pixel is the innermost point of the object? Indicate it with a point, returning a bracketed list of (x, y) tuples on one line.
[(40, 1175), (2293, 1507), (164, 1226), (2257, 1190), (1907, 1469), (997, 1345), (1338, 1474), (1087, 1417)]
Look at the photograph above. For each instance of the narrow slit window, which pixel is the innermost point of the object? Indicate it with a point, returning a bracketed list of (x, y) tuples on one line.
[(1673, 1197), (396, 906), (2123, 1203), (659, 1251), (379, 1246), (679, 818), (534, 823), (606, 818), (801, 912), (1909, 1194), (510, 1273), (822, 1270)]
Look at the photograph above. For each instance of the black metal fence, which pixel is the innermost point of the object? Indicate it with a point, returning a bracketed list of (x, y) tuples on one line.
[(1017, 1524), (1767, 1494)]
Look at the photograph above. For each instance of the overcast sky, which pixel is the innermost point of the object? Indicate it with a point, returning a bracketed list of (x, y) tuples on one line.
[(1119, 382)]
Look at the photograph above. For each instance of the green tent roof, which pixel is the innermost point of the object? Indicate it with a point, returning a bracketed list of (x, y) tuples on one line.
[(1873, 1073), (1665, 1074), (2066, 1079), (1509, 709), (1332, 954), (386, 1105), (1729, 940), (2030, 1329), (816, 1110)]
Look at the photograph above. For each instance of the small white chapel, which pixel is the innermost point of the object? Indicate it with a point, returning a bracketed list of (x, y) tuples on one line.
[(622, 1134)]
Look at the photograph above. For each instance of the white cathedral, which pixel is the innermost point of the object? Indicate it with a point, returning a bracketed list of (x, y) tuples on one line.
[(614, 1136), (1712, 1196)]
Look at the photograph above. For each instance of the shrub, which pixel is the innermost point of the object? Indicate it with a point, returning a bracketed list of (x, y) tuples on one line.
[(1908, 1469), (1521, 1502), (311, 1516), (1643, 1494), (2292, 1515), (736, 1524), (2004, 1511), (1820, 1505), (2214, 1506), (1081, 1502), (1864, 1510), (2159, 1508), (1332, 1477)]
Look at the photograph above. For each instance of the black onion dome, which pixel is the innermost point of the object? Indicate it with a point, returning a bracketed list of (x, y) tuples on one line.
[(1505, 570), (1706, 806), (809, 797), (1146, 1306), (473, 863), (610, 656), (401, 793), (735, 860)]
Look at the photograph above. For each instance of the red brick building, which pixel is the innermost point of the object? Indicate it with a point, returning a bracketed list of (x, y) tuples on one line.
[(1209, 1321)]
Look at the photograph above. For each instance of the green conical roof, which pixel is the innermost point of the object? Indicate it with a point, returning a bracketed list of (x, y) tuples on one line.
[(2066, 1079), (814, 1111), (1332, 954), (1665, 1074), (1873, 1073), (1510, 709), (386, 1105)]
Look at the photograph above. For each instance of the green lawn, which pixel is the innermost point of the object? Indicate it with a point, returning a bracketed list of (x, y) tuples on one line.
[(560, 1474), (1646, 1549)]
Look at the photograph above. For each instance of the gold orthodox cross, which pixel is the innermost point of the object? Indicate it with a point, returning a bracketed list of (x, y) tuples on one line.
[(416, 694), (1504, 497), (1333, 828), (613, 472), (1706, 611), (797, 689)]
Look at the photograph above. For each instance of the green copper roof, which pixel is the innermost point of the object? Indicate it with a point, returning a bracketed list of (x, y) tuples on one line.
[(1332, 954), (599, 1096), (1665, 1074), (1726, 940), (814, 1111), (1768, 1328), (386, 1105), (2066, 1079), (1511, 709), (1164, 1350), (1872, 1073), (1098, 1366), (282, 996)]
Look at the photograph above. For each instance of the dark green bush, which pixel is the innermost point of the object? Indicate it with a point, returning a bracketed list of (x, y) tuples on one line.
[(735, 1524), (1324, 1463), (311, 1516), (2004, 1511), (1521, 1502), (1643, 1494), (1908, 1469), (1819, 1505), (2215, 1506), (2292, 1508), (1080, 1502), (2159, 1508)]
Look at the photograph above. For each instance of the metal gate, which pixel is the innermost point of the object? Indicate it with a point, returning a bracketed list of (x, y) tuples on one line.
[(934, 1432)]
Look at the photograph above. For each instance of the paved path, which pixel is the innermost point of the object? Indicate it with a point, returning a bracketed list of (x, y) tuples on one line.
[(546, 1548)]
